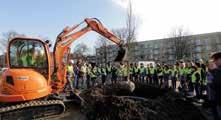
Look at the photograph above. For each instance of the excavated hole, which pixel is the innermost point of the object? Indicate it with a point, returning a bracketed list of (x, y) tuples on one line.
[(114, 103)]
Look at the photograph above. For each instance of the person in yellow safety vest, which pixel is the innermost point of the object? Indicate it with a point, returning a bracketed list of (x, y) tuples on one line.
[(69, 76), (82, 76), (99, 70), (23, 61), (153, 73), (203, 78), (120, 73), (160, 75), (174, 75), (114, 76), (136, 73), (125, 72), (103, 74), (93, 75), (108, 69), (196, 78), (131, 71), (27, 59), (148, 75), (88, 75), (182, 77), (31, 57), (189, 72), (166, 75), (170, 70), (142, 75)]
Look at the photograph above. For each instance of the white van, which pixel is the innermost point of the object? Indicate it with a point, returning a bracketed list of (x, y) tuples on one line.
[(145, 63)]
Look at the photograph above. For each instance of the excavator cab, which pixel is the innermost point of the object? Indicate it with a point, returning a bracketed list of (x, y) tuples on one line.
[(28, 75), (28, 53)]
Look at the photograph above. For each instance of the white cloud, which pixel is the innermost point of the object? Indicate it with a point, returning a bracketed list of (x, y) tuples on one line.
[(158, 17)]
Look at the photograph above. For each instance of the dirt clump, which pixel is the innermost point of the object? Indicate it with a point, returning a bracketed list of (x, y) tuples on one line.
[(145, 103)]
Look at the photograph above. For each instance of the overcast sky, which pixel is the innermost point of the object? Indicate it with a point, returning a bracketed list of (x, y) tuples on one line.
[(156, 18)]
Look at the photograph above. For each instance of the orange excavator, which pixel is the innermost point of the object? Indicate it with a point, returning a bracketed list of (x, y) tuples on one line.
[(30, 87)]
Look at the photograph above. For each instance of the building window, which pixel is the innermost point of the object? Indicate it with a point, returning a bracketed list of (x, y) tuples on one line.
[(156, 52), (136, 53), (198, 56), (151, 56), (219, 47), (198, 42), (208, 48), (171, 57), (198, 49), (170, 50), (151, 50), (141, 56), (151, 46), (217, 40), (156, 46), (147, 45), (206, 41), (141, 46)]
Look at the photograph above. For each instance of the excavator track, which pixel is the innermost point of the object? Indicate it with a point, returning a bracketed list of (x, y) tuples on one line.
[(32, 110)]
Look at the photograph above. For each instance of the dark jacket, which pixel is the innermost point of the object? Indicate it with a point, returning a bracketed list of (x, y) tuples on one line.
[(216, 85)]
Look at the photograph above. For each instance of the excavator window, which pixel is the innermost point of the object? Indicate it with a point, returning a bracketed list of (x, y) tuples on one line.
[(28, 54)]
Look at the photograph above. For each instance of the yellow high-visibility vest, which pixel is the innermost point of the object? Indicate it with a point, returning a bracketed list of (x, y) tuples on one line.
[(70, 69)]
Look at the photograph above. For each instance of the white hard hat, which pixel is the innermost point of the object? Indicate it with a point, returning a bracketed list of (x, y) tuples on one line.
[(72, 61)]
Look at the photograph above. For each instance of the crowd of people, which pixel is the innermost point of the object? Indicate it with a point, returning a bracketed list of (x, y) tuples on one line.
[(199, 80)]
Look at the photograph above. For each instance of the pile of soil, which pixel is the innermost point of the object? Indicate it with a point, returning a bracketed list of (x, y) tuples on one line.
[(145, 103)]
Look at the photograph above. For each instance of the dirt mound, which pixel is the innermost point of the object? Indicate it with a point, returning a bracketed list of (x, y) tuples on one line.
[(145, 103)]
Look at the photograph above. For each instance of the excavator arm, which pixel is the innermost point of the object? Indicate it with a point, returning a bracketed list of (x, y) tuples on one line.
[(68, 36)]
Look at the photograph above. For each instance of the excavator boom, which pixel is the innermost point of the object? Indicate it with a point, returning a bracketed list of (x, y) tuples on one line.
[(68, 36)]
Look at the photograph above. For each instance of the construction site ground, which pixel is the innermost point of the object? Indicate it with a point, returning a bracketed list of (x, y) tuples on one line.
[(107, 103), (110, 102)]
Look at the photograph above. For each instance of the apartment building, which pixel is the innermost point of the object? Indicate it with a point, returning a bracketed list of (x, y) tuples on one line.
[(162, 50)]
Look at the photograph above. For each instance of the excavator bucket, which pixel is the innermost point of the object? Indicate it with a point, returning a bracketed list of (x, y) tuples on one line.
[(121, 55)]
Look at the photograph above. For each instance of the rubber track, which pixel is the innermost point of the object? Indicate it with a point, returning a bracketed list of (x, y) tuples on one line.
[(36, 107)]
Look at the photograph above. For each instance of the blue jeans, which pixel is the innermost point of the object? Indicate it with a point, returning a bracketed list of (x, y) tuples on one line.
[(69, 84), (142, 77), (76, 81), (197, 89)]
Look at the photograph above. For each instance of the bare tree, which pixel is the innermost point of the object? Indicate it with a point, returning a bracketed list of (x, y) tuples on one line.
[(121, 33), (4, 42), (163, 52), (181, 43), (80, 51), (131, 25), (102, 44), (6, 37), (128, 33)]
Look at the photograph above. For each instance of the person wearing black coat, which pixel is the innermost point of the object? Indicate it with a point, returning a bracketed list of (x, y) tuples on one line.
[(216, 85)]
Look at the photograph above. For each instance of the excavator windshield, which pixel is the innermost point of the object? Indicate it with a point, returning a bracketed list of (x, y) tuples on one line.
[(25, 53)]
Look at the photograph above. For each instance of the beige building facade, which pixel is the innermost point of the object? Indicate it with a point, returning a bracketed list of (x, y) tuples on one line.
[(162, 50)]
